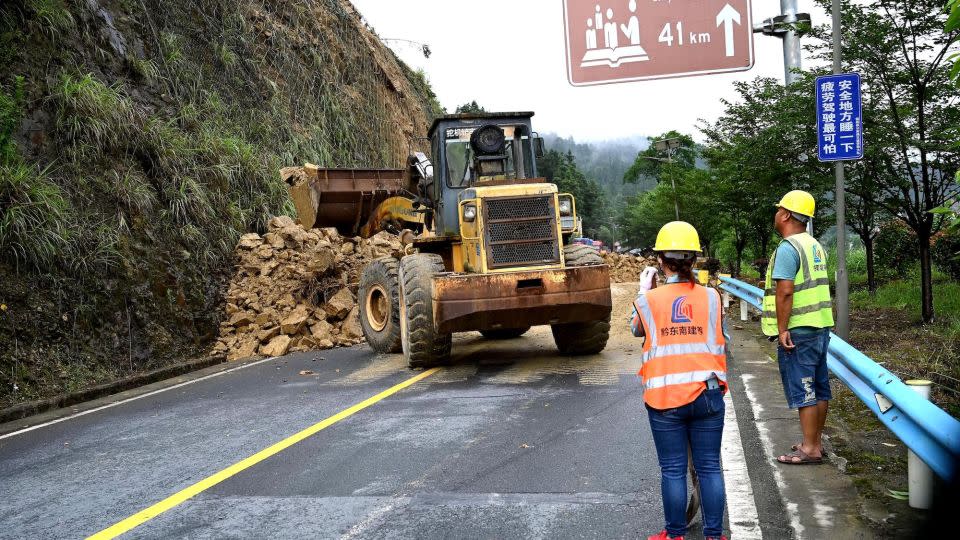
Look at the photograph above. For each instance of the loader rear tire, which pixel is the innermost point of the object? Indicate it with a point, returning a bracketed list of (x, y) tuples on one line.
[(581, 338), (423, 345), (379, 297), (504, 333)]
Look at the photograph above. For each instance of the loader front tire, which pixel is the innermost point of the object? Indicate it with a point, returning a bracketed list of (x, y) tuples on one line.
[(380, 305), (505, 333), (423, 345), (581, 338)]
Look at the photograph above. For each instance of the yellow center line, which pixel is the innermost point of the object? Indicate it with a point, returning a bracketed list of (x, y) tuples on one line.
[(151, 512)]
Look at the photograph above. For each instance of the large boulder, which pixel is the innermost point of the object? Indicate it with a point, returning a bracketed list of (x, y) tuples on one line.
[(278, 346), (295, 321), (340, 304), (351, 325)]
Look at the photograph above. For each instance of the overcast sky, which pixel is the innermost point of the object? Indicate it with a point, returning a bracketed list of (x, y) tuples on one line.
[(510, 55)]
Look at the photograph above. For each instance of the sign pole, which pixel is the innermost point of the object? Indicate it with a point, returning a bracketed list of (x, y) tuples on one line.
[(791, 57), (842, 297), (791, 42)]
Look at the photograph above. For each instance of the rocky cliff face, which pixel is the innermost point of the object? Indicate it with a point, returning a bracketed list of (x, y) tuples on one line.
[(139, 139)]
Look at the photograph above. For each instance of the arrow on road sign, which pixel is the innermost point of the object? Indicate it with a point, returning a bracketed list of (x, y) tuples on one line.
[(727, 17)]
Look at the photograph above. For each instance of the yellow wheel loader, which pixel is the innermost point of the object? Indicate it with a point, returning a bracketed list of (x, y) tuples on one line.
[(489, 236)]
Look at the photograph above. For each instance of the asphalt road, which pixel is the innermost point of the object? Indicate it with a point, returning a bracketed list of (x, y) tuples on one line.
[(510, 442)]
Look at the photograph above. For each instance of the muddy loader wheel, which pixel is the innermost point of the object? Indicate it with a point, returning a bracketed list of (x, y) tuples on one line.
[(504, 333), (380, 305), (423, 346), (580, 255), (578, 339), (581, 338)]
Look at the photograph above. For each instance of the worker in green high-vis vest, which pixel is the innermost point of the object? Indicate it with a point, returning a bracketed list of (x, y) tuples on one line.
[(797, 311)]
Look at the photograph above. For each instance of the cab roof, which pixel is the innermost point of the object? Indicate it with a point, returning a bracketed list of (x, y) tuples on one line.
[(477, 116)]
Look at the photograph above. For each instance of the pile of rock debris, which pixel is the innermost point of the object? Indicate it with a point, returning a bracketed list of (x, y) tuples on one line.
[(296, 290), (626, 268)]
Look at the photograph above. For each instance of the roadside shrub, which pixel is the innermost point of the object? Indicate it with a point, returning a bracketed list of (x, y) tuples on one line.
[(895, 249), (11, 111), (760, 265), (946, 254), (33, 217)]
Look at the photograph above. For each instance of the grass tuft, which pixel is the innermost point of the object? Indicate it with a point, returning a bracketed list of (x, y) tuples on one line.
[(34, 217)]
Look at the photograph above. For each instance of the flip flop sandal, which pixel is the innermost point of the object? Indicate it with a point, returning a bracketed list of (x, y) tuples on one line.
[(804, 459), (797, 447)]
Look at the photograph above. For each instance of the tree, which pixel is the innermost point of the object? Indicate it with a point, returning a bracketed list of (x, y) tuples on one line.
[(561, 169), (864, 213), (900, 47), (953, 24), (471, 107), (758, 149), (689, 189), (650, 162)]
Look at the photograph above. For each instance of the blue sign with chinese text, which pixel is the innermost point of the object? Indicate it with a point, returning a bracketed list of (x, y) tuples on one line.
[(839, 118)]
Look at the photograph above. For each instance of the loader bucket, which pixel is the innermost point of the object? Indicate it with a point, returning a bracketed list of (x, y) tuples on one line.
[(342, 198)]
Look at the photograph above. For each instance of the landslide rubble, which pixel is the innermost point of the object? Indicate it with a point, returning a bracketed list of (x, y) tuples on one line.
[(626, 268), (296, 290)]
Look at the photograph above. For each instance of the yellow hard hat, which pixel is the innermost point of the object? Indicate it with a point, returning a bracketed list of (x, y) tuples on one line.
[(798, 201), (677, 236)]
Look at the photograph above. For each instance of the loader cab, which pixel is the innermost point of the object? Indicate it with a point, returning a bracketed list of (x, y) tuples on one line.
[(476, 149)]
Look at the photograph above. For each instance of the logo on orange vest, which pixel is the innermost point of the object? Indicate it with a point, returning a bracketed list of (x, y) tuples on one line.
[(682, 312)]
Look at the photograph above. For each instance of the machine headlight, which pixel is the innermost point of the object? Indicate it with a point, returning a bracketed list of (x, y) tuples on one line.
[(470, 212), (566, 207)]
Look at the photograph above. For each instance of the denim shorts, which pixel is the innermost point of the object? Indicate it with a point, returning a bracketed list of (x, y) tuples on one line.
[(803, 370)]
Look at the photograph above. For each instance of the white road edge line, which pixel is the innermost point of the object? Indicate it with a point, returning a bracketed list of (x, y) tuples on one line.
[(790, 507), (741, 506), (134, 398)]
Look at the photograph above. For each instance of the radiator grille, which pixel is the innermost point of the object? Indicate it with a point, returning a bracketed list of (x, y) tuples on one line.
[(521, 231), (526, 207)]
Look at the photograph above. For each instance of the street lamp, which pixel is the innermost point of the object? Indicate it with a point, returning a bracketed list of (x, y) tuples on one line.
[(670, 147)]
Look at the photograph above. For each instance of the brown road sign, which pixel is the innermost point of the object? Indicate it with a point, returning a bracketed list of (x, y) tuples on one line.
[(611, 41)]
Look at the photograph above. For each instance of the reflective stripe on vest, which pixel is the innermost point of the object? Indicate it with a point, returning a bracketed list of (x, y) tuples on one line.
[(683, 346), (811, 289)]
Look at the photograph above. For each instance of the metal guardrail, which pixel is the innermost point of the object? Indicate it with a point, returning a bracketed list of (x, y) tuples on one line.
[(923, 427)]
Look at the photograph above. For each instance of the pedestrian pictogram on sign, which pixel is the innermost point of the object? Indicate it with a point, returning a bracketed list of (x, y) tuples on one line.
[(633, 40), (839, 125)]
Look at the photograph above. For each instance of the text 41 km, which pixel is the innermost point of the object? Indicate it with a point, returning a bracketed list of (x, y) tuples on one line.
[(694, 38)]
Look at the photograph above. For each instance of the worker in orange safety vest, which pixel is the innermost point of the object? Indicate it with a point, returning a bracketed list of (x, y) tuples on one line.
[(684, 376)]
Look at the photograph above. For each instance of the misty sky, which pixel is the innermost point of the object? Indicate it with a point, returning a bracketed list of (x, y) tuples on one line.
[(509, 55)]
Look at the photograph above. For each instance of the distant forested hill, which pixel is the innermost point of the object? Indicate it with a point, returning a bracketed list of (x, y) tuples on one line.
[(604, 162)]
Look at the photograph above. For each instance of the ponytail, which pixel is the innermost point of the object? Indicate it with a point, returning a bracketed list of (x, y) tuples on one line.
[(682, 267)]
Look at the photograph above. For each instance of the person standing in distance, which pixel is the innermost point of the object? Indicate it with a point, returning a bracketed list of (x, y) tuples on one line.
[(684, 377), (798, 312)]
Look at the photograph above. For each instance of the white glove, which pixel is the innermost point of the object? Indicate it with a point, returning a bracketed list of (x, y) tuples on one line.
[(648, 279)]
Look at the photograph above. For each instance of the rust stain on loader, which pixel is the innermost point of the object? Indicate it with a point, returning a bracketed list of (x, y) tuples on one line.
[(465, 302)]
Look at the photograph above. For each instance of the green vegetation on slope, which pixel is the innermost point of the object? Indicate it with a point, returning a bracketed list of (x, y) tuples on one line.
[(138, 140)]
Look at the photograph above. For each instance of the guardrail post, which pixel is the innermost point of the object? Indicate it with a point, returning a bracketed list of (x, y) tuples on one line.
[(919, 476), (726, 300), (744, 310)]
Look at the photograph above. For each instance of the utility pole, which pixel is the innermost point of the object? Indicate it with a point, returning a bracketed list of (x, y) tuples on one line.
[(842, 297), (670, 146)]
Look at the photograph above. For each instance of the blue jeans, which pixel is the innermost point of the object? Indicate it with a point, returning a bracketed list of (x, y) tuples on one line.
[(698, 425), (803, 370)]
